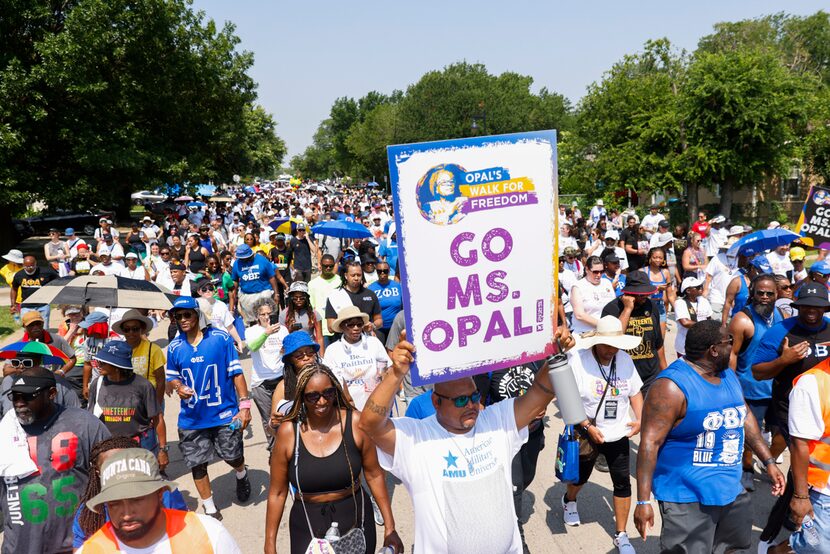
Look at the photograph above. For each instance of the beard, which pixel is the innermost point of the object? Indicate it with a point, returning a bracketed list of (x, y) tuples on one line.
[(139, 532), (24, 416), (763, 310)]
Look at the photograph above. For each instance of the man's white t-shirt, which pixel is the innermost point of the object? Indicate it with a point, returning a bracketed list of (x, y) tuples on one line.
[(220, 540), (461, 485), (360, 365), (780, 264), (216, 312), (722, 270), (614, 416), (804, 416), (703, 310), (594, 298)]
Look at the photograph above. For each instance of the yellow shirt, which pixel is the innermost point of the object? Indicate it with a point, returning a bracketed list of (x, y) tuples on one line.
[(8, 271), (264, 248), (140, 356)]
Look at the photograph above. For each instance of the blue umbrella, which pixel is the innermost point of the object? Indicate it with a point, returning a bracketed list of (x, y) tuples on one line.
[(249, 189), (760, 241), (283, 225), (342, 230), (196, 204), (373, 184)]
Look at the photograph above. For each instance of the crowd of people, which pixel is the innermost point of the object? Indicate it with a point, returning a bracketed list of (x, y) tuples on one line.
[(322, 320)]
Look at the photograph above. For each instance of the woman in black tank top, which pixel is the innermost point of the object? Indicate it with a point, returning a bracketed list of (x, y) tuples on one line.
[(195, 256), (321, 451)]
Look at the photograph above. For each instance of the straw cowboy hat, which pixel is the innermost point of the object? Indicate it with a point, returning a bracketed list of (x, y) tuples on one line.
[(609, 331)]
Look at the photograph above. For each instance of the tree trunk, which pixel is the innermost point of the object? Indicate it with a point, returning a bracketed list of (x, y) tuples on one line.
[(726, 194), (691, 201)]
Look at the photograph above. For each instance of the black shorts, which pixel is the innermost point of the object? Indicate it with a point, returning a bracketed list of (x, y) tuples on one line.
[(199, 446), (692, 527)]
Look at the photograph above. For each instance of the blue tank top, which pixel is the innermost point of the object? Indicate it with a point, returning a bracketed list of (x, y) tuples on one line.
[(662, 281), (741, 297), (754, 389), (701, 458)]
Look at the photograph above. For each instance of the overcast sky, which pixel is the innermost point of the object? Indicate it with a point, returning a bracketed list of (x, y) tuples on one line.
[(309, 52)]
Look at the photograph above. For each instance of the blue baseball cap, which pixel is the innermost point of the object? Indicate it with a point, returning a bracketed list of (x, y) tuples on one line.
[(761, 264), (69, 231), (821, 267), (296, 340), (92, 319), (117, 353), (185, 303), (243, 251)]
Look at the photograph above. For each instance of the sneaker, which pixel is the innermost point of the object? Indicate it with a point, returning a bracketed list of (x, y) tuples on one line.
[(569, 512), (217, 515), (243, 488), (601, 464), (376, 510), (748, 481), (763, 546), (622, 543)]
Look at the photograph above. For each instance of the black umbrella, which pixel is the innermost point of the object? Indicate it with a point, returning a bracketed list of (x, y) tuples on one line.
[(108, 291)]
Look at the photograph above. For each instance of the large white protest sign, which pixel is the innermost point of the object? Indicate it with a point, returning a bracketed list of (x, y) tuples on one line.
[(475, 228)]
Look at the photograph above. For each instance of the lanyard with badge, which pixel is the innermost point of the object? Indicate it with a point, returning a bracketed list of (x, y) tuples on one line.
[(610, 411)]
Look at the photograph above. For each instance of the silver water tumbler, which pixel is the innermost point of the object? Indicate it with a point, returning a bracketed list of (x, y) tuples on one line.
[(567, 393)]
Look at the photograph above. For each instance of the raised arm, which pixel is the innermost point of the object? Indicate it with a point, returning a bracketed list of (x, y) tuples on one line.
[(374, 420)]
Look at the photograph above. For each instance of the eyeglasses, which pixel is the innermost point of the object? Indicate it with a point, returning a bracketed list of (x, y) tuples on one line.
[(24, 396), (314, 396), (165, 253), (132, 329), (729, 340), (765, 293), (306, 352), (353, 323), (786, 287), (328, 266), (461, 401), (383, 272), (25, 362), (595, 271), (184, 314), (210, 288)]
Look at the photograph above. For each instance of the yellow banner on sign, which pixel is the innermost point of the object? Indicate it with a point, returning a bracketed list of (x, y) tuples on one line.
[(519, 184)]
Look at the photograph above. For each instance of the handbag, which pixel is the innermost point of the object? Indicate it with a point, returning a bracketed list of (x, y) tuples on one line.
[(353, 542), (567, 456)]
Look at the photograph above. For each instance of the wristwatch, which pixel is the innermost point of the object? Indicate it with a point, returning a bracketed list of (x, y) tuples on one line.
[(768, 462), (164, 448)]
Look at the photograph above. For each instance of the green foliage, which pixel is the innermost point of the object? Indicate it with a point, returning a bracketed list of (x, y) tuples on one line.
[(102, 97)]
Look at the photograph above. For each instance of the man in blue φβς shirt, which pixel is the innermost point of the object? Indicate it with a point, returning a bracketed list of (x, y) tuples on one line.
[(254, 278), (390, 296)]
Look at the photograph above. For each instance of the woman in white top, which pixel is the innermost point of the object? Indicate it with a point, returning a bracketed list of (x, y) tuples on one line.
[(359, 359), (216, 312), (609, 384), (590, 295)]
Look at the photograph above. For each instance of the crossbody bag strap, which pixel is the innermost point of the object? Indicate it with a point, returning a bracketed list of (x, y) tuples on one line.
[(611, 372)]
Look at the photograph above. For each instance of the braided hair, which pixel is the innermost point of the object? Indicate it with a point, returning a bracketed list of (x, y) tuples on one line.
[(297, 412), (90, 521), (291, 315)]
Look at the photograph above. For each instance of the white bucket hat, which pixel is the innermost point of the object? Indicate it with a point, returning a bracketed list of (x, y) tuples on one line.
[(15, 256), (609, 331)]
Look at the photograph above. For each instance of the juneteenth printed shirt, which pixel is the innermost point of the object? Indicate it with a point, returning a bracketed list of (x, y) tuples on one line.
[(127, 407), (460, 484), (38, 510)]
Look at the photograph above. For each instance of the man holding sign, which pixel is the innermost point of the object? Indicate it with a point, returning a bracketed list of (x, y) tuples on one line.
[(457, 464)]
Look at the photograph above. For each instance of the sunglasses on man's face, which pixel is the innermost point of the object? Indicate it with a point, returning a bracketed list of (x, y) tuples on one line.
[(463, 400), (24, 396), (383, 272), (313, 397), (132, 329)]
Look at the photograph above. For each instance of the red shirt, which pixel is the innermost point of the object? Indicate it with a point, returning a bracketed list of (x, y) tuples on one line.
[(701, 228)]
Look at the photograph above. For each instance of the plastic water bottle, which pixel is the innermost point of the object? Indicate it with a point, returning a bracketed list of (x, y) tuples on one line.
[(235, 425), (386, 550), (333, 534), (808, 528)]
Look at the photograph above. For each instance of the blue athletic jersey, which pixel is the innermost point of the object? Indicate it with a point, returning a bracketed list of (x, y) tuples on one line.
[(753, 388), (209, 369), (390, 298), (700, 461), (253, 275)]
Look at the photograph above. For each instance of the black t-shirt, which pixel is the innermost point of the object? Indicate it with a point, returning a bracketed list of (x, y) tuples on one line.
[(635, 261), (644, 322), (282, 258), (38, 510), (302, 254), (364, 299), (126, 407), (28, 284)]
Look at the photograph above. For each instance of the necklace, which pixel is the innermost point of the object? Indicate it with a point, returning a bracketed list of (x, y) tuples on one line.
[(466, 459)]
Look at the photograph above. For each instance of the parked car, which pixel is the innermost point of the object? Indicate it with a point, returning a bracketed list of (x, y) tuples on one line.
[(143, 196), (22, 230), (84, 222)]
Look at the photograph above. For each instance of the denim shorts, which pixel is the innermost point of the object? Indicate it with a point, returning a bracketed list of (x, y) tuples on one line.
[(661, 309), (821, 509)]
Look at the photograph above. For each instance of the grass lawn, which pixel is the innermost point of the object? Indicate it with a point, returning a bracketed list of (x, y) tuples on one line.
[(7, 324)]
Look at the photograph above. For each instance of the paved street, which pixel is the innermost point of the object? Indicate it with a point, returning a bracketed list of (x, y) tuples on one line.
[(545, 531)]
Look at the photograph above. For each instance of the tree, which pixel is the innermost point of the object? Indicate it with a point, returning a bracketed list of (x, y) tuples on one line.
[(104, 96), (369, 138)]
